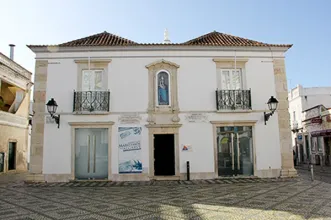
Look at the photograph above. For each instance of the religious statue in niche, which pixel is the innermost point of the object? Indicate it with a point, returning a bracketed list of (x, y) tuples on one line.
[(163, 88)]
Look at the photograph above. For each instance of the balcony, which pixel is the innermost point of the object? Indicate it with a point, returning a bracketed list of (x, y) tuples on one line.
[(91, 101), (233, 100)]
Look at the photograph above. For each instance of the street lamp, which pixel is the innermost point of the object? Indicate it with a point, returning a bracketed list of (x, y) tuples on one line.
[(272, 105), (51, 108)]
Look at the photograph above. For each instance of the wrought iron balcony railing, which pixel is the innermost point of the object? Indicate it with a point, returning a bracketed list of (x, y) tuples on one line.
[(233, 99), (91, 101)]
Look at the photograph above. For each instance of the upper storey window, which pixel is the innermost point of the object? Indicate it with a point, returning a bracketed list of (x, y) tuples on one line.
[(92, 80), (230, 79)]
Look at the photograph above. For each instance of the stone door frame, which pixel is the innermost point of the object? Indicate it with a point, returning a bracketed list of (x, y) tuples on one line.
[(75, 125), (163, 129), (225, 124)]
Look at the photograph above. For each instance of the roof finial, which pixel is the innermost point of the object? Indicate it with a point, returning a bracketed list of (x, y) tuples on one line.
[(166, 37)]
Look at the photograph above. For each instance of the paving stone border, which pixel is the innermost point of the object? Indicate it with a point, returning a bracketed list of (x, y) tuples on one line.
[(90, 183)]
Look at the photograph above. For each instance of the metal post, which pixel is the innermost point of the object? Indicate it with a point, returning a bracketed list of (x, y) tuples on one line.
[(312, 172), (188, 170), (217, 106)]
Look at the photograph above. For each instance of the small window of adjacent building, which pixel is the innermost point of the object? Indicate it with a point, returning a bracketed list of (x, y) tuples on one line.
[(294, 118), (12, 156), (230, 79), (319, 143), (92, 80)]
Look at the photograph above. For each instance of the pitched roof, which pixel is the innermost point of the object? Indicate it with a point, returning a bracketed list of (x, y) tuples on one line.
[(211, 39), (101, 39), (219, 39)]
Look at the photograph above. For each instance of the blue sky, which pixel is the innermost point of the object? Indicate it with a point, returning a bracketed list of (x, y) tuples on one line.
[(306, 24)]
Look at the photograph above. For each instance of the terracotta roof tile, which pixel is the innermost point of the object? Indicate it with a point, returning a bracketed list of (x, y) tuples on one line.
[(211, 39), (101, 39), (219, 39)]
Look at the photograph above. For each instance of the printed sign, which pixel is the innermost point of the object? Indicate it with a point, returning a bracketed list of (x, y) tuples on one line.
[(129, 149), (316, 120), (187, 148), (129, 118), (197, 117)]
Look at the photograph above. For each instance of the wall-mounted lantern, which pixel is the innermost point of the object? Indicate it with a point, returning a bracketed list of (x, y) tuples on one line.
[(51, 108), (272, 105)]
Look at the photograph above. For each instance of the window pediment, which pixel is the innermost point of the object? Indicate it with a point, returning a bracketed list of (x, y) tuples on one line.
[(162, 62)]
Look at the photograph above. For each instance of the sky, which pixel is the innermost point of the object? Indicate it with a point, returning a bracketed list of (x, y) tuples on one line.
[(304, 23)]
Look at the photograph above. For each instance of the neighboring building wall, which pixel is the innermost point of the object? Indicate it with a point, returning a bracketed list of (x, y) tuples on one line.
[(301, 98), (128, 83), (20, 137), (16, 83)]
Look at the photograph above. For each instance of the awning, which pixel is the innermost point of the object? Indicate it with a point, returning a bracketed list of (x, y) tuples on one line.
[(323, 133)]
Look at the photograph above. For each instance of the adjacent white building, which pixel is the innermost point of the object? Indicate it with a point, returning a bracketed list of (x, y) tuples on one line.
[(303, 101), (132, 111)]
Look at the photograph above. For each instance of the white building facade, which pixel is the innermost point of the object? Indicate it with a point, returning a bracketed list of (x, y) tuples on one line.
[(303, 102), (131, 111)]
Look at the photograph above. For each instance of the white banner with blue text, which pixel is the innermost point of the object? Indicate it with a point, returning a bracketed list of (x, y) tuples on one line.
[(129, 149)]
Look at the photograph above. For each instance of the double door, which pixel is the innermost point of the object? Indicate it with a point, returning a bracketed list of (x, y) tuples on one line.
[(91, 153), (235, 151)]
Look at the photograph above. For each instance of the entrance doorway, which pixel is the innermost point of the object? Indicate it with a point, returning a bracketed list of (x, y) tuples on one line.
[(12, 156), (91, 153), (235, 151), (164, 154)]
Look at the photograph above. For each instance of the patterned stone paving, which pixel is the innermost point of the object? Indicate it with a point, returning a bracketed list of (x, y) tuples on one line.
[(157, 183), (266, 199)]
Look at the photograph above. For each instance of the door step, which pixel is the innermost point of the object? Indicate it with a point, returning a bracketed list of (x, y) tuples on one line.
[(166, 178)]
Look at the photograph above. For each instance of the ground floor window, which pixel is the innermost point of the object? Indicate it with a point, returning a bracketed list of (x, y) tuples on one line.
[(319, 143), (235, 151), (12, 156)]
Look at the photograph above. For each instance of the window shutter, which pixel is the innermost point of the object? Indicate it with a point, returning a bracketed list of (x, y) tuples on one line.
[(236, 79), (86, 80), (225, 80), (98, 80)]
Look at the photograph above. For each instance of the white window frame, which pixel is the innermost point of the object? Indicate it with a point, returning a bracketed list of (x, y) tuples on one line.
[(157, 90), (220, 78), (93, 70)]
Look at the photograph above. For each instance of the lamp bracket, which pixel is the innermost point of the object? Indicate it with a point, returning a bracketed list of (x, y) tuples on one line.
[(267, 116), (57, 119)]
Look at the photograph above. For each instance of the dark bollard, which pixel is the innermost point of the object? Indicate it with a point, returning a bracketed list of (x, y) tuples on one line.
[(188, 170)]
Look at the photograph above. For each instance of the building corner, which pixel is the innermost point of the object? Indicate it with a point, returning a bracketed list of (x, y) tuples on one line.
[(288, 169), (37, 135)]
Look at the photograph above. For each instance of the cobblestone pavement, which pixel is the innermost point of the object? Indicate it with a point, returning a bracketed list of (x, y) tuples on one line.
[(320, 174), (291, 199)]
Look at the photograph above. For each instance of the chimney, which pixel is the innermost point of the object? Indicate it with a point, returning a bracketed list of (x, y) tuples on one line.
[(11, 51)]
